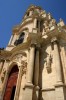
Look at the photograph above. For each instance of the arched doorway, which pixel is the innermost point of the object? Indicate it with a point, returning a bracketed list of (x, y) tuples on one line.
[(11, 84)]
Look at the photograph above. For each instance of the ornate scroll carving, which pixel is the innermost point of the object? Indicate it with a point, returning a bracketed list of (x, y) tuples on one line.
[(24, 65)]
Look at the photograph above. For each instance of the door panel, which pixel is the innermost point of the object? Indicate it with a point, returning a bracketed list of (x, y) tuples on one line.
[(11, 85)]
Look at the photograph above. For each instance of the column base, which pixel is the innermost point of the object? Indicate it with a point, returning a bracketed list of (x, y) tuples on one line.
[(60, 90), (36, 93), (29, 85), (47, 93), (59, 83), (28, 95)]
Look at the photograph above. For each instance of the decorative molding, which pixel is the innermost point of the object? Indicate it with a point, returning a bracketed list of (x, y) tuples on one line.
[(54, 39), (24, 67), (3, 75), (17, 57)]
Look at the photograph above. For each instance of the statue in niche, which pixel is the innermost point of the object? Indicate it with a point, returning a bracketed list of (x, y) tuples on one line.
[(48, 63)]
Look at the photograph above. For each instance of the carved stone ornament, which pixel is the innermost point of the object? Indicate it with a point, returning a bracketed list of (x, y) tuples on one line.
[(17, 58), (24, 67), (48, 63), (3, 75)]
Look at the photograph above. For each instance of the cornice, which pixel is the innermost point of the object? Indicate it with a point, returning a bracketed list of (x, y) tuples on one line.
[(4, 54), (17, 28), (58, 32), (35, 38), (21, 52)]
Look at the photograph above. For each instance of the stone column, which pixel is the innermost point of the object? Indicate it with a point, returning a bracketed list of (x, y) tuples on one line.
[(31, 64), (36, 70), (18, 84), (30, 69), (36, 76), (57, 62)]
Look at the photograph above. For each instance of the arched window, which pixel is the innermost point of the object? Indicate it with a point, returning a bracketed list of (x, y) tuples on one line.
[(20, 40)]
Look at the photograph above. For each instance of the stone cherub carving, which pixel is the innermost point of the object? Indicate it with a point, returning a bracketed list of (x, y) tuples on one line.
[(48, 63)]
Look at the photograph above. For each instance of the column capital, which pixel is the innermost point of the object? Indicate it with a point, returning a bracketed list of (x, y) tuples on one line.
[(33, 45), (54, 40), (38, 47)]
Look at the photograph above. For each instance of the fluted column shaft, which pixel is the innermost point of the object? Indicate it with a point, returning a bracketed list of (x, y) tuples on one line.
[(57, 62), (31, 64)]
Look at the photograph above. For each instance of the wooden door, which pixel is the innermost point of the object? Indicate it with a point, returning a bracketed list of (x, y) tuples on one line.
[(11, 84)]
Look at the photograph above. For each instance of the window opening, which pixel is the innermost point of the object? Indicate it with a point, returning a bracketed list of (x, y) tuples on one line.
[(41, 25), (37, 25), (20, 40)]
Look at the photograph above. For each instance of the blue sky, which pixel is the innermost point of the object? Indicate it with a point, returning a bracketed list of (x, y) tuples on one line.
[(12, 11)]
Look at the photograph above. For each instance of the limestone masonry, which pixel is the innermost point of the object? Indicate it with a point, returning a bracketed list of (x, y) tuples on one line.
[(33, 65)]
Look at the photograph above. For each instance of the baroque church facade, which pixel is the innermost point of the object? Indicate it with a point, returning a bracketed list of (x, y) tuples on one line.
[(33, 65)]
